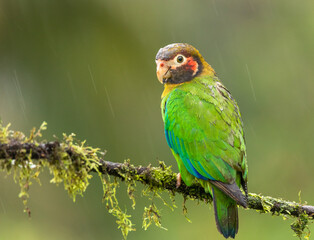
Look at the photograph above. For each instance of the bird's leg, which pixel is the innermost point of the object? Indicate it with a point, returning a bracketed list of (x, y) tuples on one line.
[(178, 180)]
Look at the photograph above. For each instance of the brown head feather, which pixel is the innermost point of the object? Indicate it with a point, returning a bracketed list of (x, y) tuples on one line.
[(193, 67)]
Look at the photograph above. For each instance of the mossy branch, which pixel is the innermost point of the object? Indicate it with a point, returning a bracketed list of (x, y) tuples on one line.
[(160, 177), (72, 163)]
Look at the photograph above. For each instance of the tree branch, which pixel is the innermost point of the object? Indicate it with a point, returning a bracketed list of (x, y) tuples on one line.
[(156, 177)]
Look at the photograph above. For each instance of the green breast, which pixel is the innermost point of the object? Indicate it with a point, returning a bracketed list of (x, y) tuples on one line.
[(203, 126)]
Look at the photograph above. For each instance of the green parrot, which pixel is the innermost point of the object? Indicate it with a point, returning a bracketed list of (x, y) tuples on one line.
[(204, 130)]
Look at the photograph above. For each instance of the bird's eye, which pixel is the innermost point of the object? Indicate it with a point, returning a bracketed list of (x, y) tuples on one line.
[(180, 59)]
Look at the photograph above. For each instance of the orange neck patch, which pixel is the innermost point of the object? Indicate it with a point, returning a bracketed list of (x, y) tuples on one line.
[(206, 71)]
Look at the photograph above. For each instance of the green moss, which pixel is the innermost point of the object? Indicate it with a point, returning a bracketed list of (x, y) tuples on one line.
[(277, 206), (185, 210), (112, 204), (162, 175), (301, 226), (24, 171), (130, 190), (152, 215), (71, 162), (74, 170)]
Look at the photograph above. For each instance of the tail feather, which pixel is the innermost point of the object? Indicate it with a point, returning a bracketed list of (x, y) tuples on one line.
[(226, 213), (233, 191)]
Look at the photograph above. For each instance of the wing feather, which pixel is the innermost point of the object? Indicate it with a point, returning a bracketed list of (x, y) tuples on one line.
[(203, 126)]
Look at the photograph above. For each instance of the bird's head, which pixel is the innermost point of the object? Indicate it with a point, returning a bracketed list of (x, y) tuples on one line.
[(180, 62)]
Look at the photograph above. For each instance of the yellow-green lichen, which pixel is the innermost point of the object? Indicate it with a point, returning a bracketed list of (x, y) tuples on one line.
[(152, 215), (24, 169), (74, 170), (112, 204), (278, 206), (301, 226), (163, 175), (185, 210), (71, 162)]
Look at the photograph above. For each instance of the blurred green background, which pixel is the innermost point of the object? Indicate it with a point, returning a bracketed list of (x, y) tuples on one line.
[(88, 67)]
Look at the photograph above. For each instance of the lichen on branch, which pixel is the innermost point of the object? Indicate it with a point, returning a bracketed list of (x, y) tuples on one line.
[(72, 162)]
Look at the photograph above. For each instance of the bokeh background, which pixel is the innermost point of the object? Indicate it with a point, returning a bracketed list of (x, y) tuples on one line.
[(88, 67)]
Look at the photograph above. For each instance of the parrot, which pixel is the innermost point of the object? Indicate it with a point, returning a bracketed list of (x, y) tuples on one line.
[(204, 130)]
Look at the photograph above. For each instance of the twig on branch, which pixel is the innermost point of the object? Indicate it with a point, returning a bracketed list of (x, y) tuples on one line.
[(161, 177)]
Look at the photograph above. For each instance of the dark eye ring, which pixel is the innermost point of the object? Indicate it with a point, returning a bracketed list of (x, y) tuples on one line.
[(180, 59)]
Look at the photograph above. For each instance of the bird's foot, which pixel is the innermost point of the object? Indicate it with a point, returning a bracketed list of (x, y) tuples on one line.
[(178, 180)]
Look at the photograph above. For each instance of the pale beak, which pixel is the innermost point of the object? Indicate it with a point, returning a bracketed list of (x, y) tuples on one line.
[(163, 71)]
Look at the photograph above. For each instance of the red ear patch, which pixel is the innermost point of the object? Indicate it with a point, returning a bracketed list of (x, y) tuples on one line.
[(192, 64)]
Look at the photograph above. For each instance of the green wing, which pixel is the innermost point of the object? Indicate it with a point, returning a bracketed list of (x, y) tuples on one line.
[(203, 128)]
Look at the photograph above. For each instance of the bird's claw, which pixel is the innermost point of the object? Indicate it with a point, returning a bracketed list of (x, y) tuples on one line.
[(178, 180)]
